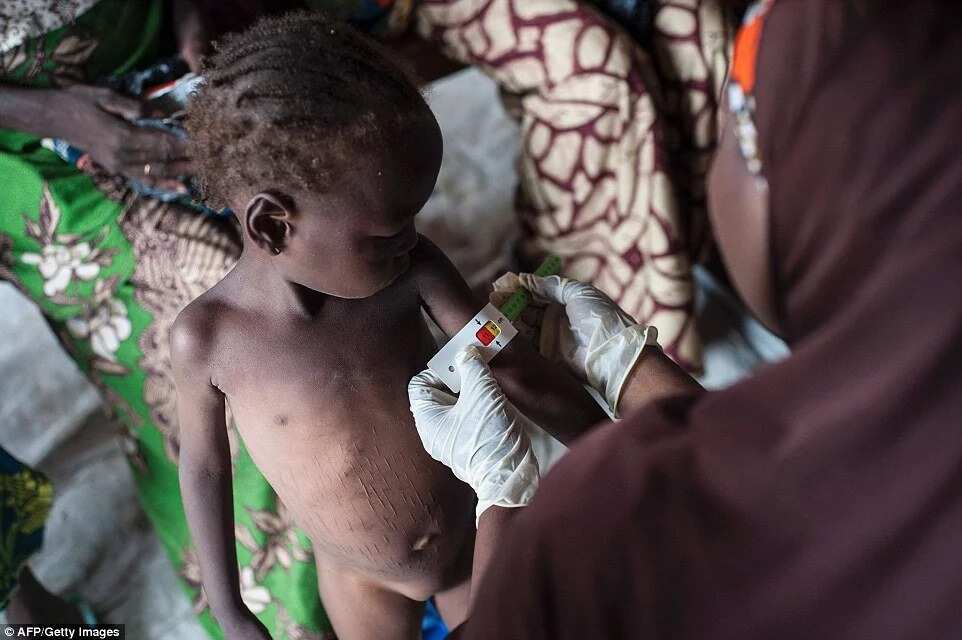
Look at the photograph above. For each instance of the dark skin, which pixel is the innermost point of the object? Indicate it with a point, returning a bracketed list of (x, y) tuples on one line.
[(311, 339), (425, 57), (96, 119), (738, 209), (193, 31)]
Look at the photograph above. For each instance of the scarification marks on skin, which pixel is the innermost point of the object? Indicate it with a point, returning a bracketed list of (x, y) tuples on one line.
[(355, 511)]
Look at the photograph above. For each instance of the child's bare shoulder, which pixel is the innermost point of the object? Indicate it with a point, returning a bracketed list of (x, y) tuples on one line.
[(443, 292), (194, 333), (430, 267)]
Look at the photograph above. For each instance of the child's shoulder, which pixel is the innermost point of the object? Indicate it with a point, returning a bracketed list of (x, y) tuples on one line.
[(428, 262), (194, 332), (443, 292)]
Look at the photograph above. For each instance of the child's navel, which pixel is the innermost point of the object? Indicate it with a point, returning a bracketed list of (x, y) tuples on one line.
[(280, 420)]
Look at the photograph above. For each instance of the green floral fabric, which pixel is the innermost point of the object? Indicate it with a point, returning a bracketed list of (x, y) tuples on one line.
[(110, 271), (25, 497)]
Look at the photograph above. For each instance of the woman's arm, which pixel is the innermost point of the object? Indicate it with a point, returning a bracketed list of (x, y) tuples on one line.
[(36, 111), (606, 347), (655, 376), (94, 119), (491, 527)]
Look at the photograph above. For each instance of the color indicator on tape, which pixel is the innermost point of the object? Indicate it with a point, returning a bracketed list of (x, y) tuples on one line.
[(490, 330), (487, 333)]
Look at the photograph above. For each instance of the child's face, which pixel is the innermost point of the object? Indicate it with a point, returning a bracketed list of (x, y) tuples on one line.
[(355, 240)]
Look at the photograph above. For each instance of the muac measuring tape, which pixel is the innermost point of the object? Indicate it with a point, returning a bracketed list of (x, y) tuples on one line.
[(490, 330)]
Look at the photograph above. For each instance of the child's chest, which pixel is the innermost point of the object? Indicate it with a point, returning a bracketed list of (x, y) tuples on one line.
[(323, 411), (353, 359)]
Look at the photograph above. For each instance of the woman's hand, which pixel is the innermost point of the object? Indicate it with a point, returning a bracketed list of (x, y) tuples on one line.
[(95, 120), (481, 436), (586, 330)]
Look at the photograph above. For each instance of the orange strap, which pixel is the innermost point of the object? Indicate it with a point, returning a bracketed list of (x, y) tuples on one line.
[(746, 46)]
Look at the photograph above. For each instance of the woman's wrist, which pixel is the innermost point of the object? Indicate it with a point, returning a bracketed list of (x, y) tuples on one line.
[(35, 111), (491, 528), (654, 375)]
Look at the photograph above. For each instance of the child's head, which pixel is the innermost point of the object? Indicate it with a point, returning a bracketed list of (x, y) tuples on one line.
[(322, 146)]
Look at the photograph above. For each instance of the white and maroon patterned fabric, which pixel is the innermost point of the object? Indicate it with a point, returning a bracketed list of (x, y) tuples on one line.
[(615, 139)]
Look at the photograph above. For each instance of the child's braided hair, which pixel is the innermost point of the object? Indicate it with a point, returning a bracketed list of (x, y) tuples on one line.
[(291, 102)]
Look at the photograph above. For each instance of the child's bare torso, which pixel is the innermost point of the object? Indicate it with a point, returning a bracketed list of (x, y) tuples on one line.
[(321, 404)]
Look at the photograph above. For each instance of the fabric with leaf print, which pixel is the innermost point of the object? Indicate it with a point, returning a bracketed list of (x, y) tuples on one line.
[(23, 19), (25, 499), (279, 542), (110, 271)]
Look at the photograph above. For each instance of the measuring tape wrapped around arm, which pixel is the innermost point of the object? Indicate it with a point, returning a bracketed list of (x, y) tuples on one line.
[(490, 331)]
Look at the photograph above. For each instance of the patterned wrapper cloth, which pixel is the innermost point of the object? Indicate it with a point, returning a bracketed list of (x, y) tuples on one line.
[(616, 139)]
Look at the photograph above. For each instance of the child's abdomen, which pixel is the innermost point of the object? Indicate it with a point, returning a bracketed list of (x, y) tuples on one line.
[(375, 502), (322, 406), (338, 444)]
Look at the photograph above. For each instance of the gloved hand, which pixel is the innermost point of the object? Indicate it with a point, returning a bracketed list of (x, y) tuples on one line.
[(598, 341), (480, 435)]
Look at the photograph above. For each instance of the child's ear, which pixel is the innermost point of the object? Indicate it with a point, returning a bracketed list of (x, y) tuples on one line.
[(268, 221)]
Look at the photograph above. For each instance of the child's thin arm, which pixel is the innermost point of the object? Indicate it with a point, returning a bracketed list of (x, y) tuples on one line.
[(546, 393), (205, 482)]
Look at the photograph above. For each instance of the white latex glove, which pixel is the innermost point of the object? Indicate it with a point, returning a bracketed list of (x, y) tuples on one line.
[(480, 435), (598, 341)]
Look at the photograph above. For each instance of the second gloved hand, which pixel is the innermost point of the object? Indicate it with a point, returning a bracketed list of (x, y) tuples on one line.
[(479, 434), (600, 342)]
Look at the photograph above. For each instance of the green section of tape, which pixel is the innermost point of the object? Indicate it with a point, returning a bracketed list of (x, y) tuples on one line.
[(519, 300)]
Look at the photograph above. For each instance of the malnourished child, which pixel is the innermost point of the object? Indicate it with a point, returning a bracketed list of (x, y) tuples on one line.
[(325, 150)]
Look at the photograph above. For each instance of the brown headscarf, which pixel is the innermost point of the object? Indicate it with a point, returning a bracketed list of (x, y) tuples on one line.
[(822, 498)]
